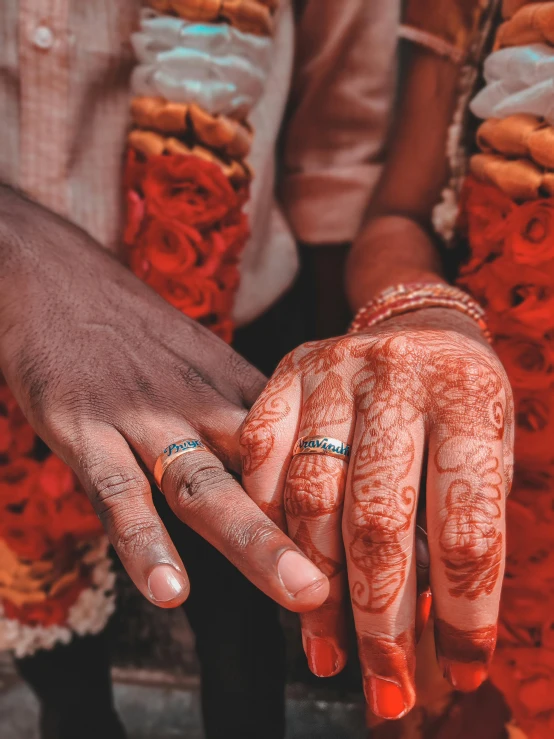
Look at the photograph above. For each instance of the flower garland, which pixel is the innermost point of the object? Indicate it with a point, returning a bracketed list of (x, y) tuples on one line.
[(54, 568), (185, 233), (186, 177), (511, 273), (507, 218)]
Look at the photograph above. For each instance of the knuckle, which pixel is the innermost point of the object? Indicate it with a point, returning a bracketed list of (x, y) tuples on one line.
[(193, 379), (380, 522), (111, 486), (254, 534), (134, 537), (468, 541), (315, 486), (243, 374)]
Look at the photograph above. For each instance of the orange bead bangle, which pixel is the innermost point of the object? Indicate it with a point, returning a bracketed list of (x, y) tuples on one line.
[(400, 299)]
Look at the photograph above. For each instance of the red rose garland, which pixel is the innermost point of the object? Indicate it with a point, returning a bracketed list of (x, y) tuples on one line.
[(511, 272), (185, 233), (42, 511)]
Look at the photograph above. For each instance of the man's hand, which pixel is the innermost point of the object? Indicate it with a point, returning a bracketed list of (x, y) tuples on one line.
[(427, 408), (109, 374)]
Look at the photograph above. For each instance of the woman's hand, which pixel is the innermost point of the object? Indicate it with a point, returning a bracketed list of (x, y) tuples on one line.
[(427, 408), (109, 374)]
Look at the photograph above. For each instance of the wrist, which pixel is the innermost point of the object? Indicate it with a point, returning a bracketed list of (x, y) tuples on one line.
[(409, 298), (19, 260)]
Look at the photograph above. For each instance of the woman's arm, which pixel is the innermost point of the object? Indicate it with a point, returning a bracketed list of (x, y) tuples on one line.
[(396, 244)]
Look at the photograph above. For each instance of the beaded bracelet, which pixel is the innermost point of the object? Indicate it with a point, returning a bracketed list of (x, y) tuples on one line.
[(400, 299)]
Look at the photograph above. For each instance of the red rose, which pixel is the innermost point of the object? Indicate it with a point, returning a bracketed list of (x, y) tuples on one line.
[(134, 171), (17, 481), (518, 298), (532, 414), (17, 438), (189, 190), (197, 298), (484, 218), (5, 435), (528, 363), (74, 516), (228, 277), (531, 233), (134, 217), (236, 235), (221, 249), (170, 247)]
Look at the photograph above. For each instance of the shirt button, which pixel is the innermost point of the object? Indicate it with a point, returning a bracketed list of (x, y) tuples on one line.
[(43, 38)]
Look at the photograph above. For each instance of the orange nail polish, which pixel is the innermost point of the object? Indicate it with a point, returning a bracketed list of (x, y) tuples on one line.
[(423, 611), (385, 698), (322, 657), (465, 676)]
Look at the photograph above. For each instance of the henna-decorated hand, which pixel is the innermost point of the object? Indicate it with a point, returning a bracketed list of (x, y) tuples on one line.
[(427, 407)]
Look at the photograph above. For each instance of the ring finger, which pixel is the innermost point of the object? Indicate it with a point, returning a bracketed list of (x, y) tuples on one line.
[(314, 497), (209, 500)]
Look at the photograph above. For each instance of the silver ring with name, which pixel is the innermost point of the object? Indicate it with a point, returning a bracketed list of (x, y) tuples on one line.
[(322, 445)]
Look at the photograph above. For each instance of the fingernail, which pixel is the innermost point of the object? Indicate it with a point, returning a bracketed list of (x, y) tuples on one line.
[(298, 574), (423, 611), (322, 657), (465, 676), (166, 584), (385, 698)]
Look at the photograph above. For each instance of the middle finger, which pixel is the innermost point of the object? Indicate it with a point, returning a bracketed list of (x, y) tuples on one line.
[(314, 496)]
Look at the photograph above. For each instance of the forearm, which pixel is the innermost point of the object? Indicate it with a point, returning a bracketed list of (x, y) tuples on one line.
[(390, 250), (396, 245), (17, 256)]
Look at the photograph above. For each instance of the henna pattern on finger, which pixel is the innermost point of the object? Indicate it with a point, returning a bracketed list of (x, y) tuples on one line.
[(380, 546), (465, 646), (322, 356), (258, 433), (304, 541), (327, 407), (470, 539), (383, 510), (458, 388), (472, 420), (315, 486)]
